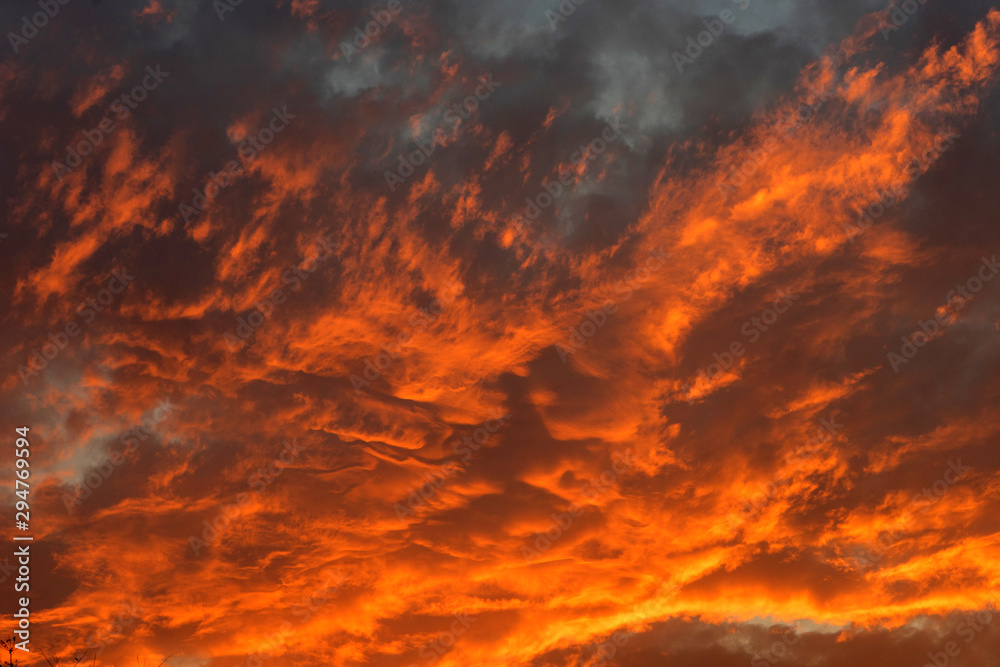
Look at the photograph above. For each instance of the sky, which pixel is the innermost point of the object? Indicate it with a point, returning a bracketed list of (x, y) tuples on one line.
[(511, 333)]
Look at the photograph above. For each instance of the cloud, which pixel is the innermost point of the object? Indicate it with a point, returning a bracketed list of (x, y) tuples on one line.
[(742, 510)]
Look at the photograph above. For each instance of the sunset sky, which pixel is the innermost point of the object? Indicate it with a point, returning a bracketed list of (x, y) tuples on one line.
[(593, 333)]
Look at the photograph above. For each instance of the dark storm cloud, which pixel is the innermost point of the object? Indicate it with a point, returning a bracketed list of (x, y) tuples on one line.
[(493, 346)]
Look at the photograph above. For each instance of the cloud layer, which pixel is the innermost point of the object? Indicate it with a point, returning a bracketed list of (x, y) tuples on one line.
[(506, 333)]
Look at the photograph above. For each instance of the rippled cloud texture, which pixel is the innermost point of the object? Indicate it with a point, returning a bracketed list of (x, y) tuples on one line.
[(505, 333)]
